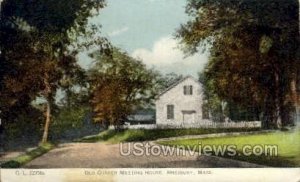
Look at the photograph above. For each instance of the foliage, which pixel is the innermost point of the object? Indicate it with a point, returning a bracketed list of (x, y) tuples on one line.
[(67, 119), (30, 125), (118, 84), (35, 33), (39, 42), (218, 109), (212, 102), (253, 47), (165, 81)]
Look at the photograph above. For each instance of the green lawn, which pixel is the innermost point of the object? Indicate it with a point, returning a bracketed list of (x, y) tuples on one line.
[(288, 143), (28, 156), (130, 135)]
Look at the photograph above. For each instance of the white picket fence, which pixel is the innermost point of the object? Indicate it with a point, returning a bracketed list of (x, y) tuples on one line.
[(206, 124)]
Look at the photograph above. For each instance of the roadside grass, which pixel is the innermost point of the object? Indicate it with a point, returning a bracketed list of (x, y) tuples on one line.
[(287, 142), (131, 135), (28, 156)]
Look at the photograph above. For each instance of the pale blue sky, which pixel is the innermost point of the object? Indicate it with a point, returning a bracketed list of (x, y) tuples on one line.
[(145, 28), (146, 21)]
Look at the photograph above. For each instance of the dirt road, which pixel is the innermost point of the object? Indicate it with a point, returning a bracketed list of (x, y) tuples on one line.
[(102, 155)]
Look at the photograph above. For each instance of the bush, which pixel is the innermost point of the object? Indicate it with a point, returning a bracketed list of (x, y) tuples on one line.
[(24, 124), (66, 119)]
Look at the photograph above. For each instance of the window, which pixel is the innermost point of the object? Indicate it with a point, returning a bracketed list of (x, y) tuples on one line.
[(170, 111), (188, 90)]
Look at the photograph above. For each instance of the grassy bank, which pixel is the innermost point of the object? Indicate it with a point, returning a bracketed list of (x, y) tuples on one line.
[(287, 143), (28, 156), (130, 135)]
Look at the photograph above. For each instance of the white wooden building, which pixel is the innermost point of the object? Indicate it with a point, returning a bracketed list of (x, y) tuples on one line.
[(180, 104)]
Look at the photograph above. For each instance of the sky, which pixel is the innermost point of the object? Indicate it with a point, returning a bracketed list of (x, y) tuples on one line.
[(145, 30)]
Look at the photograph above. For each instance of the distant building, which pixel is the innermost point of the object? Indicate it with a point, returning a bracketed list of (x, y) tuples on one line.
[(181, 103), (143, 116)]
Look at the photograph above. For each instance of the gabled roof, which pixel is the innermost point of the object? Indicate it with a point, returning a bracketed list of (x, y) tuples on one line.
[(175, 84)]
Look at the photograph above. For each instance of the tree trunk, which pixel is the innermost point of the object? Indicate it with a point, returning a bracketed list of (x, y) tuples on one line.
[(277, 101), (294, 100), (272, 118), (289, 101), (47, 95), (47, 124), (68, 98)]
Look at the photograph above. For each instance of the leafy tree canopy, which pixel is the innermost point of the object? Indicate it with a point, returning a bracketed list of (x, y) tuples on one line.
[(119, 84), (254, 47)]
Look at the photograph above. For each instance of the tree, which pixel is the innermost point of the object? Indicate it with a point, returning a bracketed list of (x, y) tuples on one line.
[(73, 83), (119, 84), (220, 109), (254, 47), (212, 102), (167, 80), (36, 38)]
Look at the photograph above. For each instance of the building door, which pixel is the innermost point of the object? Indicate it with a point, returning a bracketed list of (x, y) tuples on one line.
[(188, 117)]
